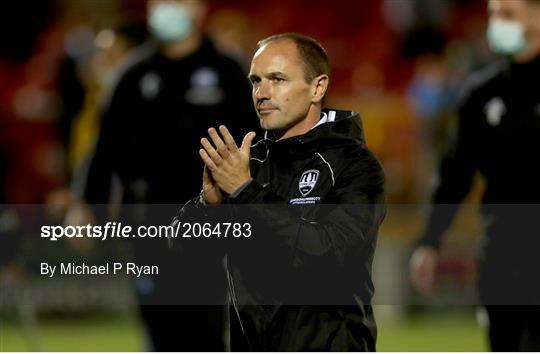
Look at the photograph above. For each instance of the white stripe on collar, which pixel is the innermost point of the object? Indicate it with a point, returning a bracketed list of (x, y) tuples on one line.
[(326, 118)]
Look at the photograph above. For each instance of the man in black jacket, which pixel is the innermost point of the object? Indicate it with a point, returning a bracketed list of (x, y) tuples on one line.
[(498, 134), (315, 195)]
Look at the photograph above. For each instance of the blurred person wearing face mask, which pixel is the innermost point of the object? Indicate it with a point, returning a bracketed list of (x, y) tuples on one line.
[(174, 89), (498, 135)]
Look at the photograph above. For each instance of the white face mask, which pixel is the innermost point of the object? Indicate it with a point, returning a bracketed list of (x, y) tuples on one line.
[(170, 22), (506, 37)]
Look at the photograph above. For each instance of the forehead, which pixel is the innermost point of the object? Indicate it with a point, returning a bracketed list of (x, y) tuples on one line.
[(152, 3), (506, 5), (280, 55)]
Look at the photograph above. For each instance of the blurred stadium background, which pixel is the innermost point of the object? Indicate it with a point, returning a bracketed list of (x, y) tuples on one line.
[(399, 63)]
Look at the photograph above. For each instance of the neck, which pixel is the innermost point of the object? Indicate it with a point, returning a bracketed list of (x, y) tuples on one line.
[(183, 48), (302, 127)]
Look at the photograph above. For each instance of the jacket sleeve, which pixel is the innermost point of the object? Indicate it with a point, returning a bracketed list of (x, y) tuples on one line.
[(321, 231), (456, 171), (193, 208)]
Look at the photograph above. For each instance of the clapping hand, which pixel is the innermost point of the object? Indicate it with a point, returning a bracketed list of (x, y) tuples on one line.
[(226, 165)]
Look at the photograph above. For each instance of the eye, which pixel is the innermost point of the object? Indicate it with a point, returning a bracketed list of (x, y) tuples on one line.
[(278, 79)]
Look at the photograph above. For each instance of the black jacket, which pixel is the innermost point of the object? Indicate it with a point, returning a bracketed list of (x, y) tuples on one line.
[(150, 136), (303, 280), (159, 110), (498, 134)]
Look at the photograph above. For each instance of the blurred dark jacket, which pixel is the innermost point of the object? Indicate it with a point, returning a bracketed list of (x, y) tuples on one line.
[(149, 140), (498, 135)]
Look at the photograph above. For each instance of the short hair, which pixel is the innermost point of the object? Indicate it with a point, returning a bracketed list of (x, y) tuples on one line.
[(311, 53)]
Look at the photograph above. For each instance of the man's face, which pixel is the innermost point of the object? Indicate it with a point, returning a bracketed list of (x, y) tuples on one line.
[(281, 95), (190, 4), (195, 8)]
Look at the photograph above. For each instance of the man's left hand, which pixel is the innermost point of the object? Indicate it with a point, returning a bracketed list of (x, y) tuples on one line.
[(228, 164)]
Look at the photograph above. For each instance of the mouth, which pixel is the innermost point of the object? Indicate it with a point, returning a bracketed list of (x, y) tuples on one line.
[(266, 110)]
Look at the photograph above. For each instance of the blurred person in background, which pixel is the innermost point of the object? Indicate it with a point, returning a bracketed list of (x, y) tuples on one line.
[(114, 48), (172, 92), (498, 135), (85, 85)]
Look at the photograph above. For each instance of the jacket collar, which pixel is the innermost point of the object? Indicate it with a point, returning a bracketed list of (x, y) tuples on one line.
[(336, 127)]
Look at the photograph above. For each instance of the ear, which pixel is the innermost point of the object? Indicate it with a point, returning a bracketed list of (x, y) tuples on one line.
[(199, 10), (536, 17), (319, 87)]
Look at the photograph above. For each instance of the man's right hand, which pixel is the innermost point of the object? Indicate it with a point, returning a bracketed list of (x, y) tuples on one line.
[(211, 192), (422, 269)]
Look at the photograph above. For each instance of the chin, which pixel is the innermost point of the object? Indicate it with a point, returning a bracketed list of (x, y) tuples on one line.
[(266, 124)]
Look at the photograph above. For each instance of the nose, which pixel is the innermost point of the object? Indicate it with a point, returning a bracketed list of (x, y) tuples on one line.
[(261, 91)]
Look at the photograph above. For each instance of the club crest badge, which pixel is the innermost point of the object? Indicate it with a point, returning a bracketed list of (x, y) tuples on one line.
[(494, 111), (307, 181), (150, 85)]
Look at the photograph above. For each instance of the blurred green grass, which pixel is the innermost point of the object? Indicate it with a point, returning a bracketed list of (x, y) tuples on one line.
[(445, 331), (452, 332), (80, 334)]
